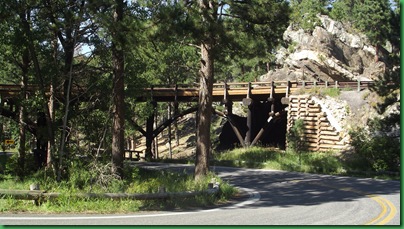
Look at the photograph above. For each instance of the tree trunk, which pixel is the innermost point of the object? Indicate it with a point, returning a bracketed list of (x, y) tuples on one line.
[(208, 10), (118, 94), (22, 115), (170, 150), (203, 145), (38, 74)]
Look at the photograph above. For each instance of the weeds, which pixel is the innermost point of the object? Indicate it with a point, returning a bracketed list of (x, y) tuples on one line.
[(271, 158), (98, 178)]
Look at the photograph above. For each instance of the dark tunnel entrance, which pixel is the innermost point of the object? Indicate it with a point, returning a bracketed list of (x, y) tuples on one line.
[(274, 134)]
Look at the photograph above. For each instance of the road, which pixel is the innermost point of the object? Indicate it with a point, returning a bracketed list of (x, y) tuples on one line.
[(272, 198)]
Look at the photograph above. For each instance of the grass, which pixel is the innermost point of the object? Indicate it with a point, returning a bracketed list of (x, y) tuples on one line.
[(307, 162), (96, 178), (137, 180), (320, 91)]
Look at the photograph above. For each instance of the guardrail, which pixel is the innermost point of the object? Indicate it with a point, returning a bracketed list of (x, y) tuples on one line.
[(238, 91), (39, 196), (219, 89)]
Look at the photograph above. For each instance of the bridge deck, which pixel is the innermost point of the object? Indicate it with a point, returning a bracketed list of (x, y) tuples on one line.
[(237, 91), (232, 91)]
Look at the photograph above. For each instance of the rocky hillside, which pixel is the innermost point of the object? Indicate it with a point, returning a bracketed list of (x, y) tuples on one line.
[(334, 51), (331, 52)]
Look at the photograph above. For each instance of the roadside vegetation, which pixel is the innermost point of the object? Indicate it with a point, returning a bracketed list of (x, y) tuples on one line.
[(331, 163), (96, 177)]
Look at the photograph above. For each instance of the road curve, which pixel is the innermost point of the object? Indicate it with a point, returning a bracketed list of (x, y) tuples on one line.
[(274, 198)]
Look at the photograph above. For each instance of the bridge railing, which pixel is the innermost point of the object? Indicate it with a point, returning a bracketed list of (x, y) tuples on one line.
[(192, 90)]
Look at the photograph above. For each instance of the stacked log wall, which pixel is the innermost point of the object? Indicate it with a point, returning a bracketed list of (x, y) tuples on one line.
[(319, 133)]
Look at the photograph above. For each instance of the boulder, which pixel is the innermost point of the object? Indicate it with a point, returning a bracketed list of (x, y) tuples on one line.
[(333, 51)]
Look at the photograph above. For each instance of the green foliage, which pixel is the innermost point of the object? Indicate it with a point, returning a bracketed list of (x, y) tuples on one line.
[(295, 137), (304, 13), (321, 91), (342, 10), (252, 37), (380, 151), (372, 18), (97, 178), (256, 157)]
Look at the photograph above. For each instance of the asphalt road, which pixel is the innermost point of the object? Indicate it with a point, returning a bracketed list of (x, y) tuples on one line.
[(272, 198)]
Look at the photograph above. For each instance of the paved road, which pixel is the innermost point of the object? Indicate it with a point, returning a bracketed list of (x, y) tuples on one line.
[(274, 198)]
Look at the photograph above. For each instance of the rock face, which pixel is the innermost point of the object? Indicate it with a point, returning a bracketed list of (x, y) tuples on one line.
[(331, 52)]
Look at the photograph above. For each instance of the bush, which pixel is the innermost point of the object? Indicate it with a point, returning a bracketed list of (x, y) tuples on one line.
[(295, 137), (381, 152)]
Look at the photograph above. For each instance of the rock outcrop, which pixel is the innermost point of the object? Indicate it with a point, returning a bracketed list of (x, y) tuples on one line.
[(331, 52)]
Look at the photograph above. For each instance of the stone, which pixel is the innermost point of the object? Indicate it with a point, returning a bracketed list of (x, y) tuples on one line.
[(331, 52)]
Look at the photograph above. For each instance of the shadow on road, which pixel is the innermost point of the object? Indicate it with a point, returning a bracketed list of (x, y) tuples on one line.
[(286, 189)]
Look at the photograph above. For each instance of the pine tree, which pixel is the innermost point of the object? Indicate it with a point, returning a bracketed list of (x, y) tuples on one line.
[(372, 17), (304, 12)]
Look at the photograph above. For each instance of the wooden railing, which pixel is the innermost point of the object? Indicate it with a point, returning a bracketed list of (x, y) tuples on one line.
[(236, 91)]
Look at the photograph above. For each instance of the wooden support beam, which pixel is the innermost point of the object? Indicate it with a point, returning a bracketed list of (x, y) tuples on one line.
[(233, 126)]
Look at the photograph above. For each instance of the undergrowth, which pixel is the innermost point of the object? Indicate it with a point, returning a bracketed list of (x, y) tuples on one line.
[(308, 162), (99, 180)]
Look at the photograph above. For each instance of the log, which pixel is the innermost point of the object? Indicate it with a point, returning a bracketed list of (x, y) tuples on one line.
[(330, 133), (43, 195), (332, 138), (329, 146)]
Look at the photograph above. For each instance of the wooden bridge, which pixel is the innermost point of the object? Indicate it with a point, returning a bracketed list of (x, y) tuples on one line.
[(259, 91), (226, 93), (233, 91)]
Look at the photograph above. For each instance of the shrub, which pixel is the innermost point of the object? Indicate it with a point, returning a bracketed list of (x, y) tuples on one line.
[(381, 152), (295, 137)]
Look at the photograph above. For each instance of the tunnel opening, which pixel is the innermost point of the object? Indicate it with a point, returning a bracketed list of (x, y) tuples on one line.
[(274, 134)]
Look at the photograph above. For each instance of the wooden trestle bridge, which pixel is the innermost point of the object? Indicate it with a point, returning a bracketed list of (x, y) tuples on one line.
[(226, 93), (234, 91), (259, 91)]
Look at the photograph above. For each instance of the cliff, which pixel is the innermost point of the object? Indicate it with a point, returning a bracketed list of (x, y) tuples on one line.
[(333, 51)]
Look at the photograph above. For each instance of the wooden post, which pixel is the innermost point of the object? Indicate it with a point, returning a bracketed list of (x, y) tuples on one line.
[(35, 187), (236, 131), (272, 97), (226, 101), (261, 131), (170, 150), (177, 138), (248, 102), (149, 133)]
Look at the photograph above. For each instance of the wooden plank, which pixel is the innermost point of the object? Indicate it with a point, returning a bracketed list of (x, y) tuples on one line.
[(330, 133), (332, 146), (331, 142), (327, 128), (328, 137), (314, 118)]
